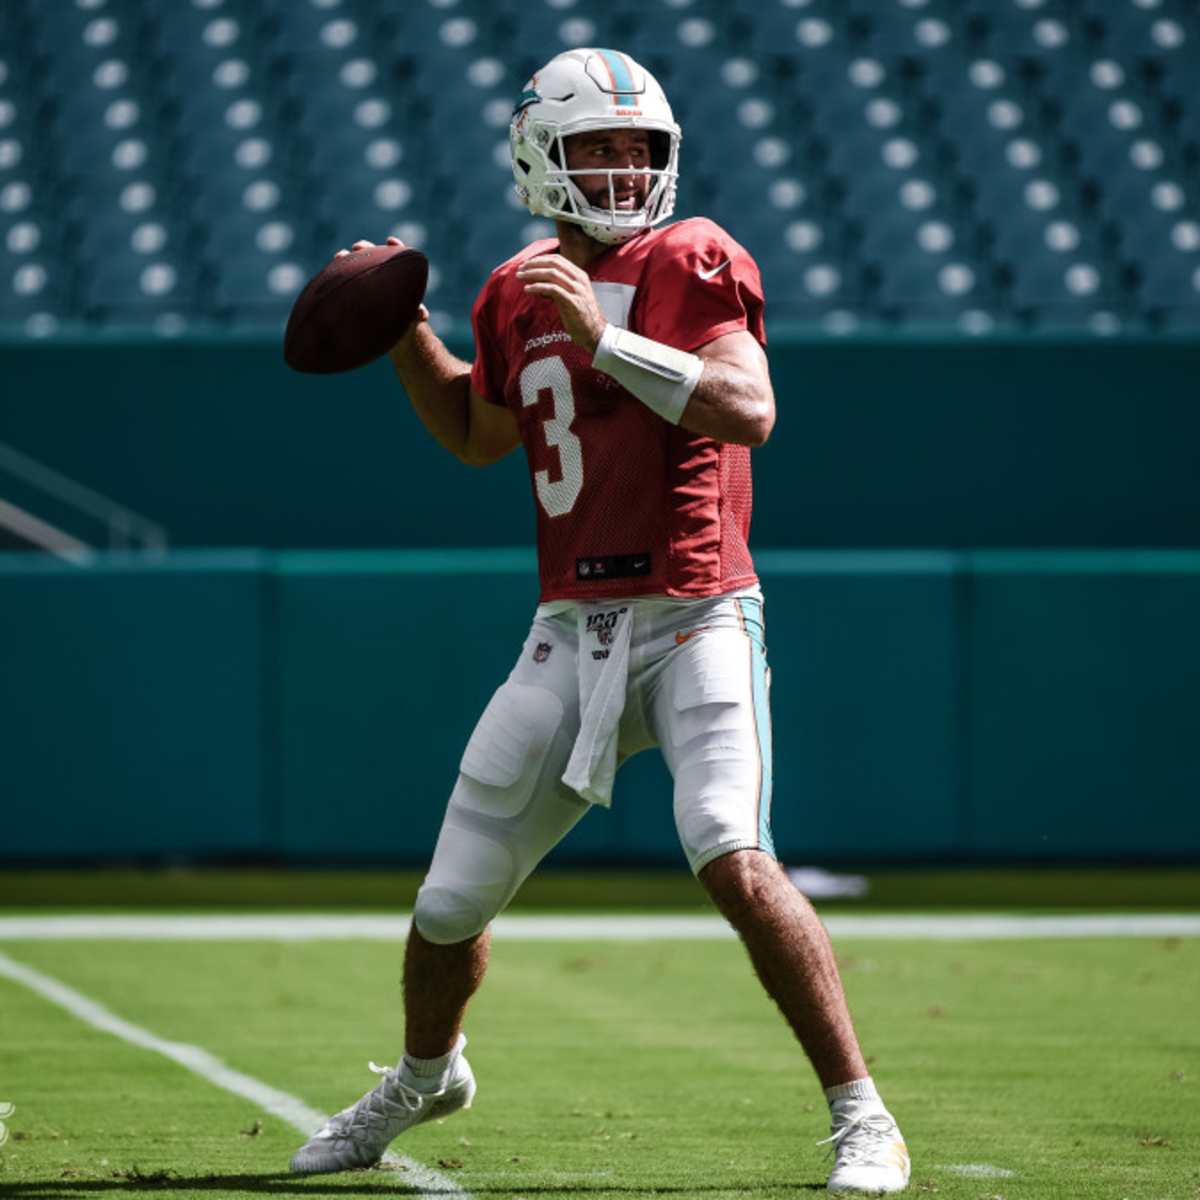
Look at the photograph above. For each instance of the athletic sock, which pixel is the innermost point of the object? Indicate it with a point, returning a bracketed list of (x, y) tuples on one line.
[(856, 1089), (426, 1074)]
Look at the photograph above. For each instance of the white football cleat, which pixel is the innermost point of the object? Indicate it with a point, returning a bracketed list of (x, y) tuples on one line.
[(358, 1135), (872, 1158)]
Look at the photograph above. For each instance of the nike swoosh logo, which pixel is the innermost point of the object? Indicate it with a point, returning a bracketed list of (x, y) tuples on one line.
[(682, 636), (712, 270)]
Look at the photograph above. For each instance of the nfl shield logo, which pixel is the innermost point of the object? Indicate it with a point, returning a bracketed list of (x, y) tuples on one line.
[(542, 652)]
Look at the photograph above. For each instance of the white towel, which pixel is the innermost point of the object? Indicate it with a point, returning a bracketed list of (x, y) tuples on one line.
[(604, 635)]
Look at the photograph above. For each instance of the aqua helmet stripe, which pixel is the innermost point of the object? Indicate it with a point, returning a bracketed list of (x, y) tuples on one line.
[(622, 77)]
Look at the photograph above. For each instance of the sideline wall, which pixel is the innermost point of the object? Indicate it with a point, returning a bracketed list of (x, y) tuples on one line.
[(311, 707), (883, 443)]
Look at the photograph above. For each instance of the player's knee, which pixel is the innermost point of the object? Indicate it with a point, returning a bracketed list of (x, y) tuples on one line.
[(469, 881), (717, 801), (445, 915), (742, 873), (481, 857)]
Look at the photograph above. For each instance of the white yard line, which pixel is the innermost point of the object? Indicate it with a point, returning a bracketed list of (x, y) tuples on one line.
[(1005, 926), (977, 1171), (590, 927), (279, 1104)]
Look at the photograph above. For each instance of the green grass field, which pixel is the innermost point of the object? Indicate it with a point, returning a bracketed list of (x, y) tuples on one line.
[(186, 888), (613, 1071)]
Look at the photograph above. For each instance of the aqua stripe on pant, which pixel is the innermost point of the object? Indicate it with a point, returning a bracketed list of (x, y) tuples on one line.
[(751, 611)]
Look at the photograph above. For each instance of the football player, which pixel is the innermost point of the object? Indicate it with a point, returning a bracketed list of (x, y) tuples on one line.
[(626, 356)]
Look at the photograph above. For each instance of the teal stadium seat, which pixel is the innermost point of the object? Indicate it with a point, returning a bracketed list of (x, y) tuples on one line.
[(1169, 292), (302, 28), (1135, 28), (561, 28), (110, 232), (277, 234), (121, 284), (425, 28), (33, 284), (1054, 290), (366, 203), (777, 27), (257, 288), (1054, 244), (906, 161), (920, 288), (891, 27), (1014, 29)]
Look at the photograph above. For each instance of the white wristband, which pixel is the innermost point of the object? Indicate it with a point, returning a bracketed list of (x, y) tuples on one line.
[(661, 377)]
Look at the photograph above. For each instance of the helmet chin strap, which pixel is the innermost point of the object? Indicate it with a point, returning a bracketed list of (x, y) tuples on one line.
[(610, 235), (598, 222)]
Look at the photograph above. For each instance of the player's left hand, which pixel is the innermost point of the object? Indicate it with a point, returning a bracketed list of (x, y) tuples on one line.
[(570, 288)]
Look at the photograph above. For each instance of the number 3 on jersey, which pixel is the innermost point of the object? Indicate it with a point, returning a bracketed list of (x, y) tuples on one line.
[(551, 374)]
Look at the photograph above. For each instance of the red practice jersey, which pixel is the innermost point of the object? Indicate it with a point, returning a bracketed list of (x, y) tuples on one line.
[(627, 504)]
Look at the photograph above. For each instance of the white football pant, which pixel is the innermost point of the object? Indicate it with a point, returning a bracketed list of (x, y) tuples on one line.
[(695, 684)]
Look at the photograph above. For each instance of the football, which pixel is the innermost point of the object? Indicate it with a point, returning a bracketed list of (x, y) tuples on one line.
[(355, 309)]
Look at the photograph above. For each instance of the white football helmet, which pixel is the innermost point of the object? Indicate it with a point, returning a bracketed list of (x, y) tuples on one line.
[(582, 90)]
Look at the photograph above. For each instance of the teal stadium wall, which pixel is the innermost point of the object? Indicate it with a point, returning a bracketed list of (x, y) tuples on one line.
[(881, 443), (312, 706), (307, 701)]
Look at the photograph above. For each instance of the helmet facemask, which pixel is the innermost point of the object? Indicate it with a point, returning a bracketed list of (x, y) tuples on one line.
[(563, 199)]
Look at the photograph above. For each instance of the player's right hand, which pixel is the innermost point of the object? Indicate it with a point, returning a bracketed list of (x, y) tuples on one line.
[(363, 244)]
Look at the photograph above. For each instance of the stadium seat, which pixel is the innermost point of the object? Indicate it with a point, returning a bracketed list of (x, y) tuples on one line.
[(877, 142), (659, 27), (1172, 77), (122, 284), (808, 284), (560, 28), (22, 237), (117, 234), (73, 42), (921, 286), (777, 27), (896, 28), (1169, 283), (1132, 28), (279, 235), (1140, 196), (1061, 287), (897, 235), (32, 284), (258, 288)]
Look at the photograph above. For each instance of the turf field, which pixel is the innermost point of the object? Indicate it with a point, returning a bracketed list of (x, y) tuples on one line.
[(1061, 1068), (1161, 888)]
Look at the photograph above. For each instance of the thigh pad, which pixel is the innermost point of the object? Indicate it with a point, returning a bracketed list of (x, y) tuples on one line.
[(508, 747)]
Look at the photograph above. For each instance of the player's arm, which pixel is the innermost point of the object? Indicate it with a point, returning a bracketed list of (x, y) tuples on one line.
[(438, 384), (733, 400), (723, 390)]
